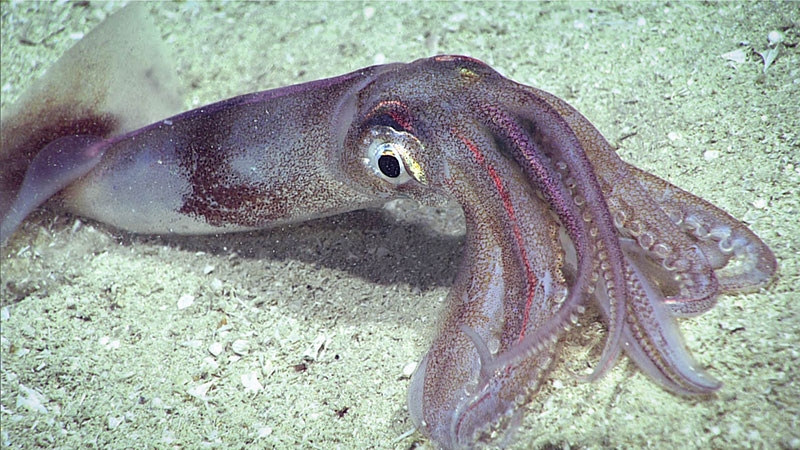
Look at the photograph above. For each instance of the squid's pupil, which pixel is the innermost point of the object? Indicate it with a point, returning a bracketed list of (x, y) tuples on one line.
[(389, 166)]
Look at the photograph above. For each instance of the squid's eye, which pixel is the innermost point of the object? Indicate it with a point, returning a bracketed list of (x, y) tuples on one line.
[(390, 165), (388, 155), (386, 161)]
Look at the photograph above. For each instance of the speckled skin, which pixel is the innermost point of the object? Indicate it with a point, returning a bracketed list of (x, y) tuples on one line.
[(554, 218)]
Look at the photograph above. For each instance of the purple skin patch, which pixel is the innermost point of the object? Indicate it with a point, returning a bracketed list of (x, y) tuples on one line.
[(555, 220)]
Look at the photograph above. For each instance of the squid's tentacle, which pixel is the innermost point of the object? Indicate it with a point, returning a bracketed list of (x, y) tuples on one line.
[(542, 174)]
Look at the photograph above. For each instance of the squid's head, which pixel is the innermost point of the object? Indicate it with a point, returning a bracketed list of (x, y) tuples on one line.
[(412, 122)]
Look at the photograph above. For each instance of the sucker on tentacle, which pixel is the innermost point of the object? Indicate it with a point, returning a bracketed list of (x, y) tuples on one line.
[(699, 217), (652, 325)]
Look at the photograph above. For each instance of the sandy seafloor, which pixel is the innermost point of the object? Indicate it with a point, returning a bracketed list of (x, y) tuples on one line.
[(97, 354)]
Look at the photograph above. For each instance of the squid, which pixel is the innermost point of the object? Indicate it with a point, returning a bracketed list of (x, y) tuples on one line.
[(555, 220)]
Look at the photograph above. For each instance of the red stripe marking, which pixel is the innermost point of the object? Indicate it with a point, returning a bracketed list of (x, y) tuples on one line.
[(396, 110), (509, 207)]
